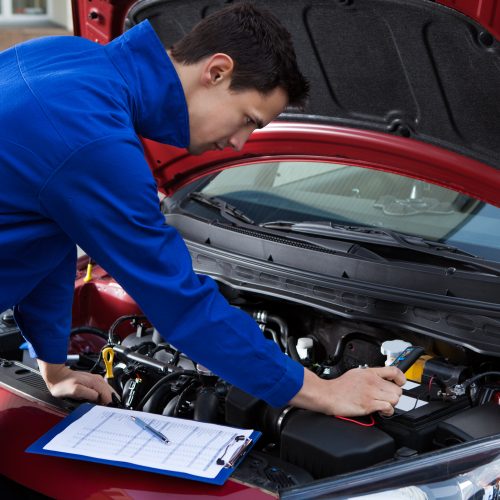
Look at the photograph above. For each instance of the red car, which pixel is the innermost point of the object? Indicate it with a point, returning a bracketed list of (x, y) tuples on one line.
[(367, 219)]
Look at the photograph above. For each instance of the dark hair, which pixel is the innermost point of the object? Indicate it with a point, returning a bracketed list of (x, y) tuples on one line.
[(261, 48)]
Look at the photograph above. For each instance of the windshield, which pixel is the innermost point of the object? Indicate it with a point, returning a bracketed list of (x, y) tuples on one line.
[(297, 191)]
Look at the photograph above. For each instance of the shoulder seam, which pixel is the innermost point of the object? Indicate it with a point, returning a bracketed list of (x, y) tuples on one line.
[(42, 108)]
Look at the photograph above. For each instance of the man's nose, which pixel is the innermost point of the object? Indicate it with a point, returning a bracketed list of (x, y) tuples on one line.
[(238, 140)]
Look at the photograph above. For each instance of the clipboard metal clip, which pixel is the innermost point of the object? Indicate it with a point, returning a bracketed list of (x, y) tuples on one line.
[(238, 453)]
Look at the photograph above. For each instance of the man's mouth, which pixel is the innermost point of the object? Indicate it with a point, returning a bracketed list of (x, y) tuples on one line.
[(218, 146)]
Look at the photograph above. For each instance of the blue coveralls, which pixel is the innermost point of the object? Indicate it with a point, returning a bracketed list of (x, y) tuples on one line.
[(72, 170)]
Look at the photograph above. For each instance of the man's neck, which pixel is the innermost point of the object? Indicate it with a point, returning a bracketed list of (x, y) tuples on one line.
[(188, 75)]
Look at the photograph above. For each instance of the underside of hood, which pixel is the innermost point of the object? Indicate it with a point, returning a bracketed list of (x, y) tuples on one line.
[(412, 68)]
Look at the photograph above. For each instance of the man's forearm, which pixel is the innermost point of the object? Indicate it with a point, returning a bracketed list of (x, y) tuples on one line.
[(310, 395), (51, 371)]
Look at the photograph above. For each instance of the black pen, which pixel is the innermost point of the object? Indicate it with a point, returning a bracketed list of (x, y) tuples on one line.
[(151, 430)]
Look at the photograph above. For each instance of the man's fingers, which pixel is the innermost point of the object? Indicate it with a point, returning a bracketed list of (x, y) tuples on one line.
[(83, 386), (382, 389), (102, 388), (386, 409), (64, 382), (392, 391), (391, 397), (75, 391), (391, 373), (86, 393)]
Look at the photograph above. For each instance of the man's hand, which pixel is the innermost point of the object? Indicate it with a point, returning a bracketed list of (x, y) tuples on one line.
[(357, 392), (64, 382)]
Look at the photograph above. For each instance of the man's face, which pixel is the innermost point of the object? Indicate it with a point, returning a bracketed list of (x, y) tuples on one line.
[(220, 117)]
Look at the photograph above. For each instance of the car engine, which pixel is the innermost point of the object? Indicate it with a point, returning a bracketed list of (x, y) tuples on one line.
[(453, 393)]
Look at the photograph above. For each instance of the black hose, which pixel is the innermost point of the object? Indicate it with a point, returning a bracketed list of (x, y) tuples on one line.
[(165, 347), (163, 380), (118, 322), (89, 329), (282, 327), (183, 394), (96, 364), (273, 334), (140, 347), (292, 349), (477, 377)]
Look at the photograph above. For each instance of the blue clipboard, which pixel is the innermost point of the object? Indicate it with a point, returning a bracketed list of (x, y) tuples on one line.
[(230, 463)]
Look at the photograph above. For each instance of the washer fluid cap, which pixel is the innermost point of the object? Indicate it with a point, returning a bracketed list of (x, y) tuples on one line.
[(392, 348), (303, 344)]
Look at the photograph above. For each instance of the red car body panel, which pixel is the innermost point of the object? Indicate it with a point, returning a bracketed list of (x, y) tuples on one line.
[(283, 140), (486, 12), (100, 20), (101, 293), (23, 422)]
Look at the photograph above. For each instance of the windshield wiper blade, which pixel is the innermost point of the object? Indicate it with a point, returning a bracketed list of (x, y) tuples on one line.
[(366, 233), (228, 211), (377, 235)]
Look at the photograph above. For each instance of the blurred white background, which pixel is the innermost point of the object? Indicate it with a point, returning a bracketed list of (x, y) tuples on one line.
[(30, 12)]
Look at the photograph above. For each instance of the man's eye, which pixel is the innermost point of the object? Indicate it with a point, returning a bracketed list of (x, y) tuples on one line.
[(248, 121)]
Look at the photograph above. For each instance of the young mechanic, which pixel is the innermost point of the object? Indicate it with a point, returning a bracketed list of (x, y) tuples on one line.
[(72, 171)]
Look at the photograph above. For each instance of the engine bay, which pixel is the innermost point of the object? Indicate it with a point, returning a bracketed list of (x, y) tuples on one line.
[(452, 394)]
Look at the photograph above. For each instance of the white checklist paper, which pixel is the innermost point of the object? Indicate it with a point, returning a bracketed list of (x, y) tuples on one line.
[(110, 434)]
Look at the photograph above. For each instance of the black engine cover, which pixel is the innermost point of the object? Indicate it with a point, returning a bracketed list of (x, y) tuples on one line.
[(326, 445)]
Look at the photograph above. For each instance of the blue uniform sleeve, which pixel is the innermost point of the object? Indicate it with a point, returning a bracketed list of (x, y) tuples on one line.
[(44, 315), (105, 198)]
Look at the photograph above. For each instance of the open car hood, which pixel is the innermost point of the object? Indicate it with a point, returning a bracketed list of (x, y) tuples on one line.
[(411, 68)]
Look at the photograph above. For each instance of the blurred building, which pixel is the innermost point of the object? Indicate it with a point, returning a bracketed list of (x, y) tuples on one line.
[(36, 12), (22, 20)]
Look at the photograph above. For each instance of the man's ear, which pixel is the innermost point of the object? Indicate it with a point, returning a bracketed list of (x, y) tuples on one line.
[(217, 69)]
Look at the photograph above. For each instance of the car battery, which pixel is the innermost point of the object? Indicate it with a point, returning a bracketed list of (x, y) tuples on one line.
[(10, 337), (417, 417)]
